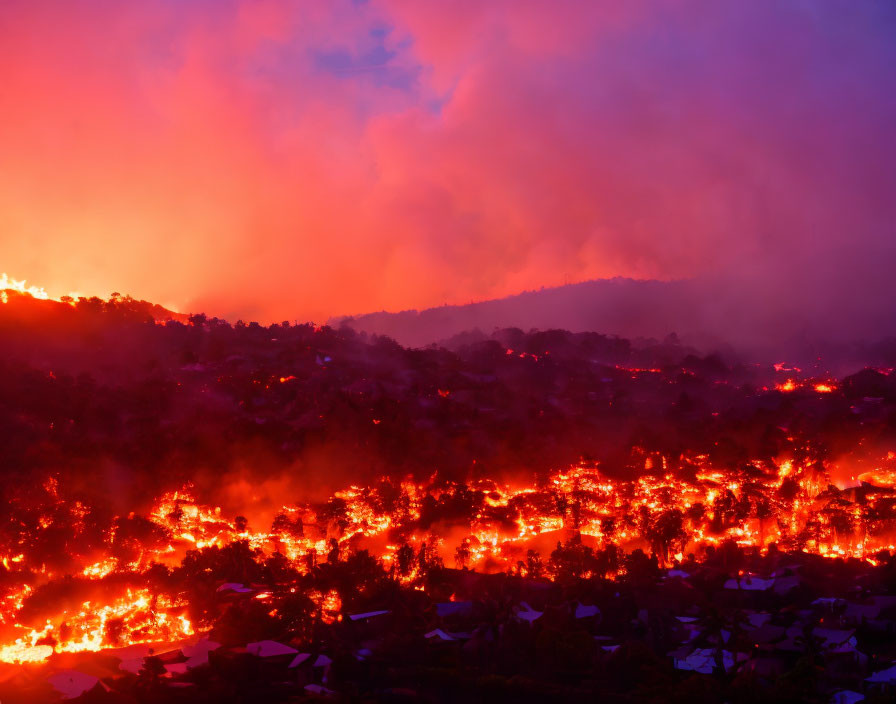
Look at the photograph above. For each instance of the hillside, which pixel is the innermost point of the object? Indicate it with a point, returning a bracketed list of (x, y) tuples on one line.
[(709, 314)]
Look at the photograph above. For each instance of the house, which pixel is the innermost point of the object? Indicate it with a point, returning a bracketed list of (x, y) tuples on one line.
[(766, 667), (883, 680), (197, 654), (269, 649), (859, 614), (785, 585), (704, 660), (367, 615), (836, 640), (439, 636), (73, 683), (765, 635), (454, 608), (750, 583), (586, 611), (527, 613)]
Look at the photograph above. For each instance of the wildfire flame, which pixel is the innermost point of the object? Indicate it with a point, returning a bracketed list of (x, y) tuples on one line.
[(790, 505), (20, 287), (8, 284)]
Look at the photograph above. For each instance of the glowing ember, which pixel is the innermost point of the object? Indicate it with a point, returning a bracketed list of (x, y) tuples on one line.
[(661, 513)]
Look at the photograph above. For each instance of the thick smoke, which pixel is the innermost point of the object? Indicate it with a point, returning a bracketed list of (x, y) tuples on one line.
[(272, 161)]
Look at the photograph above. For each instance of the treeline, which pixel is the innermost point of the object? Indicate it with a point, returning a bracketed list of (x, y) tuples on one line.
[(113, 398)]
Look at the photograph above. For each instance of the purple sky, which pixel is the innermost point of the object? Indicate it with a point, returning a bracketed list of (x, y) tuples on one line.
[(274, 160)]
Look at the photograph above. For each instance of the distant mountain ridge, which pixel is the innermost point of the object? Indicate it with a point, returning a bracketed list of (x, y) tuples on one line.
[(618, 306), (719, 313)]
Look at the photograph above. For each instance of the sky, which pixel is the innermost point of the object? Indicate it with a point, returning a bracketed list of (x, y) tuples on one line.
[(272, 160)]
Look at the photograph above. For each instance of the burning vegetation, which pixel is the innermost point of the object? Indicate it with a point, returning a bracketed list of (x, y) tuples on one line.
[(170, 480), (130, 586)]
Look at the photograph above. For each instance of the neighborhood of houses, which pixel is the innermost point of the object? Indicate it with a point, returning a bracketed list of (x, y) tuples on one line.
[(778, 624)]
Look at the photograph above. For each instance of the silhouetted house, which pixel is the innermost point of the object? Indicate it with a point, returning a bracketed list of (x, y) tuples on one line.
[(883, 681)]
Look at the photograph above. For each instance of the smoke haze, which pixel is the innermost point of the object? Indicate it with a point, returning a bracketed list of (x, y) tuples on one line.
[(273, 160)]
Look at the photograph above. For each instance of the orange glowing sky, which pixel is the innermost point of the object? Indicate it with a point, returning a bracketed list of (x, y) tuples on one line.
[(295, 160)]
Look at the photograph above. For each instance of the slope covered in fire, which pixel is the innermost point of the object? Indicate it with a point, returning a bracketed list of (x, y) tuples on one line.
[(154, 466)]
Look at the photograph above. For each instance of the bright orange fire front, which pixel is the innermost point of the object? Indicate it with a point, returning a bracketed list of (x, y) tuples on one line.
[(484, 526)]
